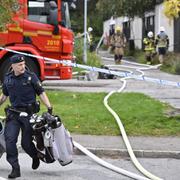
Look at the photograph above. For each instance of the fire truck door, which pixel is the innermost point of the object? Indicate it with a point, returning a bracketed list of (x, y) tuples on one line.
[(37, 28)]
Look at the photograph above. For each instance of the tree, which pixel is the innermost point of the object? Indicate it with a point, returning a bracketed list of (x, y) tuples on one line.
[(94, 18), (7, 7), (172, 8), (127, 8)]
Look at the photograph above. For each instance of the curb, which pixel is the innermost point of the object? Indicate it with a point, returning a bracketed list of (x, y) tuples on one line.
[(138, 153), (123, 153)]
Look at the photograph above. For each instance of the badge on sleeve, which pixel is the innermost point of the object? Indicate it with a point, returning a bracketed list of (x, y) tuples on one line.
[(39, 83)]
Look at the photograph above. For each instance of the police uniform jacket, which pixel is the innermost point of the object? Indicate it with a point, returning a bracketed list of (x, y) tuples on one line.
[(22, 89)]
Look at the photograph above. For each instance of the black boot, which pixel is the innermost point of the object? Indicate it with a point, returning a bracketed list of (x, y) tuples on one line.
[(14, 173), (35, 163), (115, 58)]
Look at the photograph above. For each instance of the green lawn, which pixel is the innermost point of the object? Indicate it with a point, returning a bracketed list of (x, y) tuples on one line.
[(85, 113)]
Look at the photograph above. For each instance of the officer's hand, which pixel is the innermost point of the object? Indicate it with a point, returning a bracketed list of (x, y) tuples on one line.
[(50, 110)]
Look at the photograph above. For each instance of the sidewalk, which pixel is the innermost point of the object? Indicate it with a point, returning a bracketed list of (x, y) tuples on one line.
[(147, 147), (113, 146)]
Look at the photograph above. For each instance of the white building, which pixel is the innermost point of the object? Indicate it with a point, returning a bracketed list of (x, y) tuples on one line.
[(137, 28)]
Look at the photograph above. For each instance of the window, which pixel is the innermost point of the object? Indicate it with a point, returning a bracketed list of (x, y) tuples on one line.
[(38, 11)]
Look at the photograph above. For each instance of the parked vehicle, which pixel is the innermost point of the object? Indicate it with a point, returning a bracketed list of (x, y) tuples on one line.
[(41, 28)]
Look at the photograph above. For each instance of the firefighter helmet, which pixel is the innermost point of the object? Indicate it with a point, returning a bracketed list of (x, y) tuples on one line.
[(150, 34), (90, 29), (118, 29), (161, 29)]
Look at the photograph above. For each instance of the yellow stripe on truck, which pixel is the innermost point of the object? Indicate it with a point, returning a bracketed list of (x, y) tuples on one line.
[(49, 33), (29, 33), (34, 33), (15, 29)]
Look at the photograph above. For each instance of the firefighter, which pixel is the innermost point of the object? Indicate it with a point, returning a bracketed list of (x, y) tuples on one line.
[(118, 41), (162, 42), (150, 47), (21, 87), (90, 39)]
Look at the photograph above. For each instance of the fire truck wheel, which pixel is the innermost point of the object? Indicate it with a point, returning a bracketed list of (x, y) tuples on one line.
[(30, 65)]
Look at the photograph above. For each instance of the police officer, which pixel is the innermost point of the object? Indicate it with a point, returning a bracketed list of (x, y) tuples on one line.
[(162, 42), (150, 47), (21, 87)]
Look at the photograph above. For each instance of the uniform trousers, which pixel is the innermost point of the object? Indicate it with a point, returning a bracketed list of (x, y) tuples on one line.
[(13, 125)]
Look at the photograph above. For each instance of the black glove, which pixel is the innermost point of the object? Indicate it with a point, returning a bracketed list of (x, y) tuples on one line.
[(50, 110)]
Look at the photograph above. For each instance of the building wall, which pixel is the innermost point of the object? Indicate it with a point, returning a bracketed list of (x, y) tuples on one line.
[(106, 28), (136, 32), (118, 22), (162, 20), (136, 29)]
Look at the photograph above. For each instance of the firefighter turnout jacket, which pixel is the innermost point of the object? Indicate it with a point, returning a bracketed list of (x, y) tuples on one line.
[(162, 40), (149, 44), (118, 40)]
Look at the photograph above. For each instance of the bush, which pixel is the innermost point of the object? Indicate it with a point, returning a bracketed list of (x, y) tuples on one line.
[(177, 67), (92, 58), (172, 63), (78, 50)]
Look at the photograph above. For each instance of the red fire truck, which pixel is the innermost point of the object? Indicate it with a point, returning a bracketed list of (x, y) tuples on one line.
[(42, 28)]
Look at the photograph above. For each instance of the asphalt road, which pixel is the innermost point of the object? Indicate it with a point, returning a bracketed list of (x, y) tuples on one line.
[(83, 168)]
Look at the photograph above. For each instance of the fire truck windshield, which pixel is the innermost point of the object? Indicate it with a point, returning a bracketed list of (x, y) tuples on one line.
[(39, 11)]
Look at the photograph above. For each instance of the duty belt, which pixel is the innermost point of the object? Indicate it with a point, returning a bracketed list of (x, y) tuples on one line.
[(29, 109), (18, 111)]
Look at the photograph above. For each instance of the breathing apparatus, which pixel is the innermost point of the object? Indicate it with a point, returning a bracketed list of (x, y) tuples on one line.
[(46, 120), (53, 141)]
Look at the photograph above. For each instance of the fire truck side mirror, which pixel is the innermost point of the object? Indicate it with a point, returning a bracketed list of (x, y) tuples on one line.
[(53, 13), (53, 17), (56, 30)]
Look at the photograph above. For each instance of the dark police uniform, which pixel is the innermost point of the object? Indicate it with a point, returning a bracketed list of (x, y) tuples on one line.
[(22, 92)]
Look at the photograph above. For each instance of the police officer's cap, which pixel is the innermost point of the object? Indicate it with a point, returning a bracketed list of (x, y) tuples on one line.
[(17, 58)]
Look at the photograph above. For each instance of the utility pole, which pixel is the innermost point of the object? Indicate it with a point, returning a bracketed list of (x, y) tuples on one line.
[(85, 33)]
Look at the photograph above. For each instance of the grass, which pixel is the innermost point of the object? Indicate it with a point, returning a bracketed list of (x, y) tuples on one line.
[(172, 63), (171, 60), (139, 55), (85, 113)]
